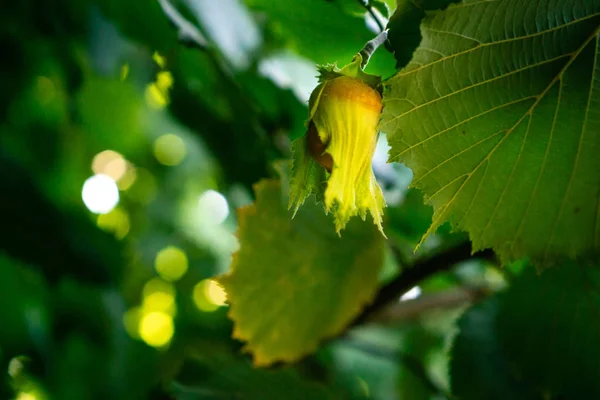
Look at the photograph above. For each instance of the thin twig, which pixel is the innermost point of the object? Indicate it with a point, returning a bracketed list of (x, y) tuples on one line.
[(411, 277), (420, 270), (411, 309), (188, 34), (372, 45), (367, 5)]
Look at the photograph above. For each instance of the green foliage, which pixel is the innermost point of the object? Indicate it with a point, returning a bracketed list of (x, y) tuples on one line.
[(333, 23), (547, 324), (496, 112), (239, 376), (496, 116), (116, 124), (479, 368), (405, 26), (537, 340), (294, 281), (16, 287)]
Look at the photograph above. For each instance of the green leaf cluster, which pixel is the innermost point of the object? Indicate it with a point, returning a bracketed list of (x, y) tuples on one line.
[(487, 286)]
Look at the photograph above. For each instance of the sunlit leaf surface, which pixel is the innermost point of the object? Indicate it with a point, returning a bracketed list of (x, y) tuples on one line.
[(499, 117), (295, 282)]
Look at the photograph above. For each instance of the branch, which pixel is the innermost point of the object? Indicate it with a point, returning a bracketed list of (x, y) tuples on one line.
[(411, 309), (187, 33), (367, 5), (372, 45), (419, 271)]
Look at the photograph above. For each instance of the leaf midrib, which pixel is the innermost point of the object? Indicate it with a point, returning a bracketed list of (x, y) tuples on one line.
[(583, 127)]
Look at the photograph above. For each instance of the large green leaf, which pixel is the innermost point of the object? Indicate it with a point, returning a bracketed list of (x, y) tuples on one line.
[(404, 26), (498, 115), (549, 328), (295, 282), (479, 369), (539, 339)]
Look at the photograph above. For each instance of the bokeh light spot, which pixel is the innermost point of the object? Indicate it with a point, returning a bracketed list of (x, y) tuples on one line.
[(16, 366), (169, 149), (159, 59), (160, 301), (156, 328), (164, 81), (215, 293), (156, 98), (213, 207), (112, 164), (157, 285), (128, 178), (116, 168), (26, 396), (116, 221), (157, 93), (171, 263), (159, 296), (100, 194), (101, 159), (208, 295)]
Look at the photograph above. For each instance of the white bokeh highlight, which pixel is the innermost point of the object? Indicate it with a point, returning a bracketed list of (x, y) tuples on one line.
[(213, 207), (100, 194), (289, 70)]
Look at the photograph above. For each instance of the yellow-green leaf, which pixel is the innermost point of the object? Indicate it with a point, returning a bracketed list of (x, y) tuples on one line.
[(294, 282)]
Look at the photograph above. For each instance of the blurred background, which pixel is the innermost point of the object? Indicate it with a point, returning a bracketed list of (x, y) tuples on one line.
[(130, 131)]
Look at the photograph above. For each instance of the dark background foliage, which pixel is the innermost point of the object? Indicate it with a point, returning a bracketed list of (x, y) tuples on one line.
[(102, 301)]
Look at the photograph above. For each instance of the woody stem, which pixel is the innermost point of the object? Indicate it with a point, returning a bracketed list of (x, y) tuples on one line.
[(419, 271), (372, 45), (367, 5)]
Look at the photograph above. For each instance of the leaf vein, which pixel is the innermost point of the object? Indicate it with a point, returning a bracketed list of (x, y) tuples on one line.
[(432, 51), (475, 3), (543, 167), (464, 122), (581, 136), (573, 56), (474, 196), (450, 33), (487, 44), (510, 177), (406, 99), (457, 155), (445, 186), (478, 84)]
